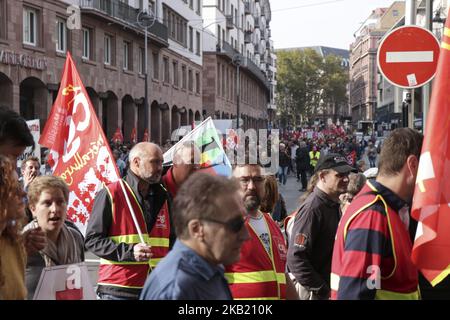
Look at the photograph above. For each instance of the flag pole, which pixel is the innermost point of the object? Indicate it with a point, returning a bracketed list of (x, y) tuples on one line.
[(133, 215)]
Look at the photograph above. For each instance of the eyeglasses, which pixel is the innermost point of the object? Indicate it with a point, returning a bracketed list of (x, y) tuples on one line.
[(246, 180), (234, 225)]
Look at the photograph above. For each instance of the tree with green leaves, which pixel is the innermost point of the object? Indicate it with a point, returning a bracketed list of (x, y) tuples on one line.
[(307, 83)]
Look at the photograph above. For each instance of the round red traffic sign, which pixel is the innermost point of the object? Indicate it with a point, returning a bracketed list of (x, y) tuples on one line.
[(407, 56)]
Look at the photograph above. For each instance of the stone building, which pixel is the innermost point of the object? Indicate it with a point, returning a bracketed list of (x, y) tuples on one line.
[(109, 51), (236, 39)]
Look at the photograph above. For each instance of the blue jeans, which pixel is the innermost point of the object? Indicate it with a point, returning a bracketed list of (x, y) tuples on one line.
[(282, 173)]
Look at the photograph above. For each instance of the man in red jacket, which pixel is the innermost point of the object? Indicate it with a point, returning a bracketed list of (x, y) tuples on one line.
[(260, 272), (185, 161), (372, 250)]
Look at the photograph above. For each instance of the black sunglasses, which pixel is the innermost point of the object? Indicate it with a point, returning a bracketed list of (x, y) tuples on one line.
[(234, 225)]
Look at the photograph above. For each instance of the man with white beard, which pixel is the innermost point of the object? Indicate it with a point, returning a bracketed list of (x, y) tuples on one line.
[(112, 232)]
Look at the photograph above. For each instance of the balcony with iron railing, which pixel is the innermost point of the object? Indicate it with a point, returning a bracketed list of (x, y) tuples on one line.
[(229, 21), (248, 36), (257, 25), (263, 34), (256, 71), (247, 8), (124, 13), (226, 49)]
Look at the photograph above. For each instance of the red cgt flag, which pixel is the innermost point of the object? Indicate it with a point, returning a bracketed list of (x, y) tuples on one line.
[(431, 203), (118, 136), (133, 136), (79, 150), (146, 137)]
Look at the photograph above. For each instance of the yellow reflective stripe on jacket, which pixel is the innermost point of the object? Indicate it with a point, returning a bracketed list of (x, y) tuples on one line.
[(380, 294), (255, 277), (130, 238), (134, 238), (390, 295), (154, 262), (151, 262), (159, 242)]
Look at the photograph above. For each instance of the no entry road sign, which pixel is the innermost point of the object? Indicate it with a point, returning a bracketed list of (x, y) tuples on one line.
[(407, 56)]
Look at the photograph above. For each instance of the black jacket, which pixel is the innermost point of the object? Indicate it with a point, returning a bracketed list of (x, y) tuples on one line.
[(302, 159), (311, 244), (97, 233)]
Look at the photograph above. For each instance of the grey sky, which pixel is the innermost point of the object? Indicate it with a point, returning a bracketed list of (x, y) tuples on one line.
[(319, 22)]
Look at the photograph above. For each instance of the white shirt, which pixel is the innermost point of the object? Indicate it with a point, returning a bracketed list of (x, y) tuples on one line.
[(260, 227), (293, 151)]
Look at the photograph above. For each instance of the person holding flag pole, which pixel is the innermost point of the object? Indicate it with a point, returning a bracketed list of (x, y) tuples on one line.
[(130, 230), (80, 154)]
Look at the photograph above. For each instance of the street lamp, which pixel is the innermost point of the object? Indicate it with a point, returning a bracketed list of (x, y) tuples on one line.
[(237, 62), (146, 20)]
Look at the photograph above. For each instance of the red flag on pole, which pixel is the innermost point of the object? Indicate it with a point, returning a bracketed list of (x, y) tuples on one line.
[(146, 137), (134, 136), (79, 150), (118, 136), (431, 203)]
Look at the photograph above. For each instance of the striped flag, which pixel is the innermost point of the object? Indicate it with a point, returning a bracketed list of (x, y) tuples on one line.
[(213, 158)]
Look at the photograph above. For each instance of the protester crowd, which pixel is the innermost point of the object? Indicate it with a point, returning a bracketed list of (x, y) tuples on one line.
[(180, 233)]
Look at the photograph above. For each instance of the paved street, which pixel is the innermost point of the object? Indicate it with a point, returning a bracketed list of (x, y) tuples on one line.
[(92, 262), (290, 192)]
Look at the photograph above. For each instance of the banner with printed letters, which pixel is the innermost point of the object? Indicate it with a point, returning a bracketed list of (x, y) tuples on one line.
[(79, 150)]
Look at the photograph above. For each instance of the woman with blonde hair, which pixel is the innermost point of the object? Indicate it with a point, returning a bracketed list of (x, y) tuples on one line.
[(12, 250), (48, 197)]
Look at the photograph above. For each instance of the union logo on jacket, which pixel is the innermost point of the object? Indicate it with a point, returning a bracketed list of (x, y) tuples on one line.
[(132, 274), (258, 275)]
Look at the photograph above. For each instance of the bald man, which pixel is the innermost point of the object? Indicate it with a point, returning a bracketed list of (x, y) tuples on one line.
[(186, 159), (113, 228)]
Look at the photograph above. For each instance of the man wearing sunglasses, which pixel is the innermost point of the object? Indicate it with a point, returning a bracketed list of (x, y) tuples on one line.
[(209, 222), (260, 272), (312, 238)]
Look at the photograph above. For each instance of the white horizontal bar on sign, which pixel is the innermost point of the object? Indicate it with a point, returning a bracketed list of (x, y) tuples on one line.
[(409, 56)]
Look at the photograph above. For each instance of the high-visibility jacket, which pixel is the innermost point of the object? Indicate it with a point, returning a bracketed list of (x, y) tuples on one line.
[(314, 156), (259, 275), (398, 279), (132, 274)]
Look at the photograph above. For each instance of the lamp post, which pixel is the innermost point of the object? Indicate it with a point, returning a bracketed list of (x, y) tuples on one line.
[(237, 62), (146, 20)]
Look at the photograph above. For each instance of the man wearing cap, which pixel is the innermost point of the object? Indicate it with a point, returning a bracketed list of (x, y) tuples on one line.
[(312, 238)]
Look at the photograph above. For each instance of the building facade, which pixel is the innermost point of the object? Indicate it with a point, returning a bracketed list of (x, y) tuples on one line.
[(389, 112), (108, 47), (238, 61), (363, 61)]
